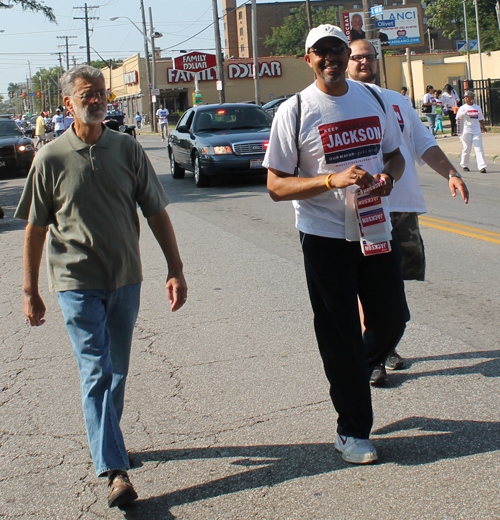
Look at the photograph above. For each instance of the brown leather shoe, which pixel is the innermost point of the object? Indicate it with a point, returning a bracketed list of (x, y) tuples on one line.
[(121, 491)]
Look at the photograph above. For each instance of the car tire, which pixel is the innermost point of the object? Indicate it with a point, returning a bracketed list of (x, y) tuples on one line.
[(201, 180), (175, 169)]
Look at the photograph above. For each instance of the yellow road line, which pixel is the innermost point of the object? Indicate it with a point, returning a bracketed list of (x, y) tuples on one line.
[(460, 232), (460, 226)]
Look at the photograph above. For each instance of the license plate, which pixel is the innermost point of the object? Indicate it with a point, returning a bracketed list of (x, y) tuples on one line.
[(255, 163), (2, 164)]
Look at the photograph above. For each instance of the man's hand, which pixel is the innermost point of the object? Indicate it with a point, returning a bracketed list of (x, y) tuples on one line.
[(384, 190), (34, 309), (176, 291), (350, 176), (455, 184)]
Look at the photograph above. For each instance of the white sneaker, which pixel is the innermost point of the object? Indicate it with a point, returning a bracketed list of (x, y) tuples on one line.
[(357, 451)]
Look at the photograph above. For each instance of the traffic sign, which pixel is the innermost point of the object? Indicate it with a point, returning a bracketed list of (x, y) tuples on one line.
[(111, 97), (195, 62), (155, 91), (462, 45), (376, 10)]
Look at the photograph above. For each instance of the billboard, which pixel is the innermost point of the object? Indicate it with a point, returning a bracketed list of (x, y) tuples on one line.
[(399, 26)]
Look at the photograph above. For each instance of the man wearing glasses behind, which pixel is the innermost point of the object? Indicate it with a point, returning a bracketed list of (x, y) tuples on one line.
[(83, 188), (346, 140)]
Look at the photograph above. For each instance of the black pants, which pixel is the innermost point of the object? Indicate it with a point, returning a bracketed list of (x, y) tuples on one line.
[(453, 122), (337, 272)]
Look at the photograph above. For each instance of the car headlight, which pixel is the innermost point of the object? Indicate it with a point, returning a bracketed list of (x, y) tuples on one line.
[(216, 150), (25, 148)]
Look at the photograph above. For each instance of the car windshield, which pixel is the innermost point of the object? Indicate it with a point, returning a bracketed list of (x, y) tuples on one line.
[(10, 129), (232, 118)]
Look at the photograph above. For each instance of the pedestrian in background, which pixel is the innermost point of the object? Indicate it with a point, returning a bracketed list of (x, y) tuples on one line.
[(58, 123), (439, 113), (450, 106), (161, 115), (138, 120), (330, 170), (40, 131), (429, 107), (470, 121), (404, 93), (84, 189)]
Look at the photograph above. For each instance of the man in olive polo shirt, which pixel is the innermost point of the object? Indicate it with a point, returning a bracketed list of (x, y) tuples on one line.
[(83, 188)]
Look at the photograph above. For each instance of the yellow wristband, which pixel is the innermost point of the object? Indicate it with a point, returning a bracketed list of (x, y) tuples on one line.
[(327, 181)]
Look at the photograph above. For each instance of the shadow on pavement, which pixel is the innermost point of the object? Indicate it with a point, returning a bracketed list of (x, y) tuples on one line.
[(280, 463), (488, 368)]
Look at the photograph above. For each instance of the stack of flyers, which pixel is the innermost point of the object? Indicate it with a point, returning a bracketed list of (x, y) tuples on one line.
[(373, 226)]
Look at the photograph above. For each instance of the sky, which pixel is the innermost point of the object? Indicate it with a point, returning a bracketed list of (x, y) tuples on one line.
[(29, 37)]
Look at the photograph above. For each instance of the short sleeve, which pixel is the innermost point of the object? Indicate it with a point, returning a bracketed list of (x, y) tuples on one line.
[(35, 204), (281, 153), (150, 194)]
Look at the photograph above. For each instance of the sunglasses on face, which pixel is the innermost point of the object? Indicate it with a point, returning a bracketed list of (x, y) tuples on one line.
[(322, 52), (370, 58)]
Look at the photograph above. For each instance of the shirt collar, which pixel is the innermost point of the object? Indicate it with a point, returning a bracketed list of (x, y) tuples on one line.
[(77, 144)]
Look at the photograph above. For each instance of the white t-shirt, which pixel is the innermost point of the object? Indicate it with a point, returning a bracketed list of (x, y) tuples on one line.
[(408, 98), (469, 116), (448, 100), (162, 114), (336, 132), (429, 98), (407, 194), (58, 121)]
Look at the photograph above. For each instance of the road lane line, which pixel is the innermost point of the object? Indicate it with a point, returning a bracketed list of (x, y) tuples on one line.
[(460, 232), (451, 224)]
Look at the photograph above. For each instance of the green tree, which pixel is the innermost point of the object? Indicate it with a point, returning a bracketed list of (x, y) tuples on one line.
[(46, 81), (290, 38), (448, 15), (32, 5)]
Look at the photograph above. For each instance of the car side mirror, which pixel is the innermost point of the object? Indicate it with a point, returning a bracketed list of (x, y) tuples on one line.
[(183, 129)]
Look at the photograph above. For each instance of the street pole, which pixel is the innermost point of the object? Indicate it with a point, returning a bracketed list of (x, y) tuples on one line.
[(218, 52), (255, 53), (410, 72), (309, 16), (146, 52), (479, 40), (469, 74), (370, 33), (153, 53)]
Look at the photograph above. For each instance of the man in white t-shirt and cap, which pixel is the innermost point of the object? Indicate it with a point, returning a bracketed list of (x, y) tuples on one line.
[(161, 115), (58, 123), (407, 200), (345, 140)]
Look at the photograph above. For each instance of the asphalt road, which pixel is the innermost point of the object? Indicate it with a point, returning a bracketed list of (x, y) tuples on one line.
[(227, 413)]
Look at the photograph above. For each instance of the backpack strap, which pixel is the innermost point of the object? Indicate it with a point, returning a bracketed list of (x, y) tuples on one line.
[(297, 132), (376, 95)]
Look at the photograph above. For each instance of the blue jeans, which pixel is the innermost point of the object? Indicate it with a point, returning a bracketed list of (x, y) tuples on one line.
[(100, 324), (431, 119), (59, 133)]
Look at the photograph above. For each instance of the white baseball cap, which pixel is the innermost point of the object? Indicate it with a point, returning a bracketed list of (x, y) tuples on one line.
[(324, 31)]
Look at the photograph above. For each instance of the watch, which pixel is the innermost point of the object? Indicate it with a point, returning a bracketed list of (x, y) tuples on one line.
[(390, 177), (454, 174)]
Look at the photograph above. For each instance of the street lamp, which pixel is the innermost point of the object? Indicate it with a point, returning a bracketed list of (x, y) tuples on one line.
[(151, 40)]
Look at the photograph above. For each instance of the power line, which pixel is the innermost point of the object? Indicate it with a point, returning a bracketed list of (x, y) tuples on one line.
[(67, 48), (87, 18)]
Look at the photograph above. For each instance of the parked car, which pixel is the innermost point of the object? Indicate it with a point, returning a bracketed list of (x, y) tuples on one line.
[(210, 140), (272, 107), (16, 150), (114, 120)]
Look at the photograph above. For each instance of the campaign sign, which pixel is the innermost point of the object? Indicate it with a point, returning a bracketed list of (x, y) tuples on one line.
[(399, 26), (349, 140)]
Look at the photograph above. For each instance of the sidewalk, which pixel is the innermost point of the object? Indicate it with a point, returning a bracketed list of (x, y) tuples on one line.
[(452, 146)]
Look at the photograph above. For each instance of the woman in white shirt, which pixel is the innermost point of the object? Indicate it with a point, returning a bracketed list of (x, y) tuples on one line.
[(450, 106), (470, 125), (429, 102)]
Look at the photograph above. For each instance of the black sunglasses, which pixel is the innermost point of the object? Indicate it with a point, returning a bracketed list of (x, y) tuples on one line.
[(323, 52)]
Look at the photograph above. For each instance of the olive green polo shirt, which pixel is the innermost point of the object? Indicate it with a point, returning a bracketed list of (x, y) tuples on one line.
[(87, 197)]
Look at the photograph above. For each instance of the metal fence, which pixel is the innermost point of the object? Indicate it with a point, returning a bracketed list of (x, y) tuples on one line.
[(487, 93)]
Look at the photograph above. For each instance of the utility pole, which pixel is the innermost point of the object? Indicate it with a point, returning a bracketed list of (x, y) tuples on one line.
[(479, 40), (218, 52), (370, 32), (150, 81), (410, 72), (152, 32), (67, 48), (255, 53), (87, 18), (309, 16), (469, 74)]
